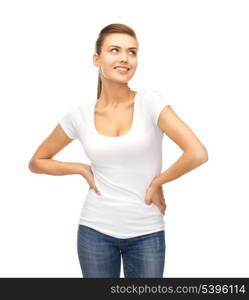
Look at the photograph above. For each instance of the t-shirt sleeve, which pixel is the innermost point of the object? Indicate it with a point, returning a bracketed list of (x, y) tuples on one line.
[(68, 124), (155, 104)]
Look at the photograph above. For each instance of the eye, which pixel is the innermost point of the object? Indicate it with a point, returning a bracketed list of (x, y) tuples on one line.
[(134, 52)]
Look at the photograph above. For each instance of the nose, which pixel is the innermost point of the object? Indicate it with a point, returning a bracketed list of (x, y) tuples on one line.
[(123, 57)]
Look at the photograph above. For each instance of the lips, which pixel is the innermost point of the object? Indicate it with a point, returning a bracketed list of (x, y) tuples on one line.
[(122, 67)]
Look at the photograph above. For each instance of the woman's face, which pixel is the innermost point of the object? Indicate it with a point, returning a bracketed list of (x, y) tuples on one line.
[(117, 50)]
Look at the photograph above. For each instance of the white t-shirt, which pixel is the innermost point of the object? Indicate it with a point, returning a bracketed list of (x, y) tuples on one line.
[(123, 168)]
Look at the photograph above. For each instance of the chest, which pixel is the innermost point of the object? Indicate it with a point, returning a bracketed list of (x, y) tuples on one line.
[(114, 122)]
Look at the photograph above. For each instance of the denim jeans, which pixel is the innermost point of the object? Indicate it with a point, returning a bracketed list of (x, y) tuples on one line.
[(100, 254)]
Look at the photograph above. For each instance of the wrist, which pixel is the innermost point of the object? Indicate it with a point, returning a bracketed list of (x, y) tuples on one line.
[(83, 168), (155, 182)]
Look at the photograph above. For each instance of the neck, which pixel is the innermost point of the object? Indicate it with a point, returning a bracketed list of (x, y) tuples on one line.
[(114, 95)]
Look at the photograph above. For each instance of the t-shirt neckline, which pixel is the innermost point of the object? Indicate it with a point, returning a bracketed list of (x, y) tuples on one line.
[(134, 117)]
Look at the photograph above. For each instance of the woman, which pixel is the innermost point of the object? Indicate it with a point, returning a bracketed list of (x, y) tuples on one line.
[(121, 134)]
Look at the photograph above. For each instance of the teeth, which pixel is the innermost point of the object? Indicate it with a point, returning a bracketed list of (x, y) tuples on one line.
[(122, 69)]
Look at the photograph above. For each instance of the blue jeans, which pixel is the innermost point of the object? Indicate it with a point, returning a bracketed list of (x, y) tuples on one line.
[(100, 254)]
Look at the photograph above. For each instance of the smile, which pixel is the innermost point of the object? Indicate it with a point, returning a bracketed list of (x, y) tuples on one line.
[(122, 70)]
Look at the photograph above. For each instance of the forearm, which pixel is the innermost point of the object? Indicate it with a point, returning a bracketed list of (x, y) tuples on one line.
[(55, 167), (187, 162)]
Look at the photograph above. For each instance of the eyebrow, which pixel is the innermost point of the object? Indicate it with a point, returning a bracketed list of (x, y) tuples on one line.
[(120, 47)]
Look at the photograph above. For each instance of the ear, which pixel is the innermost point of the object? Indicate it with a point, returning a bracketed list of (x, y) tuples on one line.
[(96, 59)]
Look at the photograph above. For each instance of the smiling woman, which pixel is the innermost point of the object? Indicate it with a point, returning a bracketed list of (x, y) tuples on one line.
[(121, 133)]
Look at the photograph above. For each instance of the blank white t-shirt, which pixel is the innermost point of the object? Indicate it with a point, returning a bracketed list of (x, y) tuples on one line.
[(123, 168)]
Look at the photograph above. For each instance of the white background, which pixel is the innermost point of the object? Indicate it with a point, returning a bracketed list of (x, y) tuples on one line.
[(195, 53)]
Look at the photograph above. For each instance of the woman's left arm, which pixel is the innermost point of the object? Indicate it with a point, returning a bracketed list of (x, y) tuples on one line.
[(194, 152)]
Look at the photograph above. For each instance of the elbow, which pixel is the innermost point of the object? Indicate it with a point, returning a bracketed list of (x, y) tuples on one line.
[(202, 156), (31, 166)]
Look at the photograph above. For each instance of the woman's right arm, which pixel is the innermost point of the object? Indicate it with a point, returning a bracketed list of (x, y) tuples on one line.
[(42, 162)]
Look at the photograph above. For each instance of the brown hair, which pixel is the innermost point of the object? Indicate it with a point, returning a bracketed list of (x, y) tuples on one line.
[(112, 28)]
